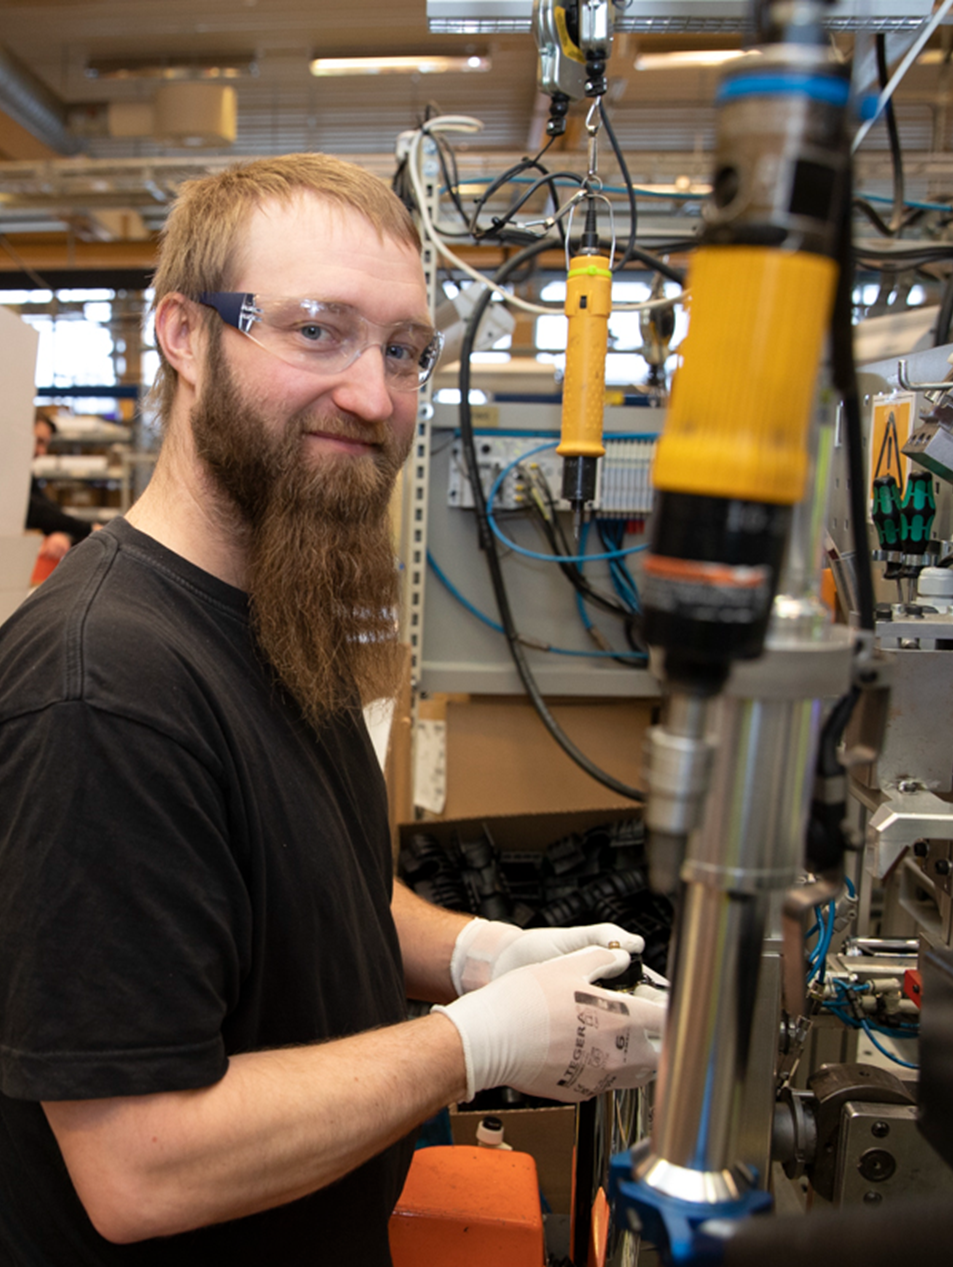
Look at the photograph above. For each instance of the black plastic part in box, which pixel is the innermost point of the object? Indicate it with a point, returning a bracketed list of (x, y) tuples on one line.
[(541, 870)]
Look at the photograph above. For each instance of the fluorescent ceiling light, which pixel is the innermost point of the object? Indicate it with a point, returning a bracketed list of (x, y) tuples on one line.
[(423, 64), (691, 58)]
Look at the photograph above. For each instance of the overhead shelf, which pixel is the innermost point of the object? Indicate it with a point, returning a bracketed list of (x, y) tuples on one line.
[(665, 16)]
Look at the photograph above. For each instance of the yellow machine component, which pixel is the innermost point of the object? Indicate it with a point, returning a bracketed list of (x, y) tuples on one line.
[(588, 305), (741, 402), (568, 46)]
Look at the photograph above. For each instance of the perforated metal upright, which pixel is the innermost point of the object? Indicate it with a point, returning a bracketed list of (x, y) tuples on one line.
[(413, 533)]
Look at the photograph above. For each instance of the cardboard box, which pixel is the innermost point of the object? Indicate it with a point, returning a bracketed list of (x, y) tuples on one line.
[(547, 1134), (501, 760), (519, 831)]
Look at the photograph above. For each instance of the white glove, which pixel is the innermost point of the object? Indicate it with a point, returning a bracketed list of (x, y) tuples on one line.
[(546, 1030), (485, 949)]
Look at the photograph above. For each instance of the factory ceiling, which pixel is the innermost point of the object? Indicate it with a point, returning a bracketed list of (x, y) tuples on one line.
[(86, 173)]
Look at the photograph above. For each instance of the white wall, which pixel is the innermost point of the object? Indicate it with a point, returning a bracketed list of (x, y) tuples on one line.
[(18, 345)]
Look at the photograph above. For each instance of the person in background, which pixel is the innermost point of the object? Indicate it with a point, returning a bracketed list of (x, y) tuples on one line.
[(60, 530), (204, 955)]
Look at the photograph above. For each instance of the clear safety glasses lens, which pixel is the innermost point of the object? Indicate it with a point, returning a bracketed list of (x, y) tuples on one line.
[(327, 338)]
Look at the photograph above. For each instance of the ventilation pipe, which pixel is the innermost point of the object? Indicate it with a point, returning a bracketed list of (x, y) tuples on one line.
[(31, 104)]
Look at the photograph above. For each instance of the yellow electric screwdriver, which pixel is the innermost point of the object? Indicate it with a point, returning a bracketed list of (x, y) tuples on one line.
[(588, 305)]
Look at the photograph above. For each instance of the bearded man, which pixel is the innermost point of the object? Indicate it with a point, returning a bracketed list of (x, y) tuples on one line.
[(204, 959)]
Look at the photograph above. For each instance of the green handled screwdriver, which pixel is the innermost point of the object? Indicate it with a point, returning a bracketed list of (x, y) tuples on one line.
[(916, 512), (886, 512)]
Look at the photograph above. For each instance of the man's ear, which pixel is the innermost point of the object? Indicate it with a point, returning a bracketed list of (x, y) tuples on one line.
[(180, 333)]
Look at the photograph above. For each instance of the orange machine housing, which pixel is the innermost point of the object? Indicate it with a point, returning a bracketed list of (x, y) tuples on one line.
[(467, 1207)]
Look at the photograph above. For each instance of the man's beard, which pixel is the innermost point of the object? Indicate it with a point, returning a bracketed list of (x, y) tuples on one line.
[(321, 571)]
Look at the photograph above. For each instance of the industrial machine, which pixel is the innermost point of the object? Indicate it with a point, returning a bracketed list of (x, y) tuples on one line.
[(797, 773)]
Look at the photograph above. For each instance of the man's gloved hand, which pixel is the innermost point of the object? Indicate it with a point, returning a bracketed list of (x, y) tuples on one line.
[(546, 1030), (653, 985), (486, 949)]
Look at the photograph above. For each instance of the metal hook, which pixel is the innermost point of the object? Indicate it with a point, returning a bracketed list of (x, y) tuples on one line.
[(593, 124), (575, 202), (908, 386), (549, 222)]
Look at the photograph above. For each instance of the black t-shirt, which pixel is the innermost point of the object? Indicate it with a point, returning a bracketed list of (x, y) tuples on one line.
[(187, 871)]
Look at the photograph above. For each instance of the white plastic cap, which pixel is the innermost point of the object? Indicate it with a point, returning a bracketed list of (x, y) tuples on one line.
[(489, 1133), (935, 583)]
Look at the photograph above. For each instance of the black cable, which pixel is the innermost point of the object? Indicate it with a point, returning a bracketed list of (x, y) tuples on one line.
[(827, 765), (874, 257), (659, 266), (941, 331), (633, 635), (844, 375), (916, 259), (451, 177), (626, 180), (400, 184), (488, 541), (632, 251), (676, 245), (556, 535), (896, 158), (572, 572), (861, 205), (553, 191), (556, 539), (499, 228)]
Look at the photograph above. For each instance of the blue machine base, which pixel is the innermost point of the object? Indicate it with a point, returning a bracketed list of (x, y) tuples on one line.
[(675, 1226)]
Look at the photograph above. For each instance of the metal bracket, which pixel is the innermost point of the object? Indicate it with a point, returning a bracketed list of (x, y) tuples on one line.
[(907, 816)]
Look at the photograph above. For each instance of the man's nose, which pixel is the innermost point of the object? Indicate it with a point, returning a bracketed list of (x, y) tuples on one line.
[(362, 388)]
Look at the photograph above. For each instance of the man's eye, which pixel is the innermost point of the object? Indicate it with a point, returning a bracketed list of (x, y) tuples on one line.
[(402, 353), (316, 334)]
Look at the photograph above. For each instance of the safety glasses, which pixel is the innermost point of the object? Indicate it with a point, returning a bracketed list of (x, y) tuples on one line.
[(326, 338)]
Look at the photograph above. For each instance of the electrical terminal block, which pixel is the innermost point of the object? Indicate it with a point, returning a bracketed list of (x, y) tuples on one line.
[(623, 484)]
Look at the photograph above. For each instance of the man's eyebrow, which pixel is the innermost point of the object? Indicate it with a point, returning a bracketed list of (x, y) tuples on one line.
[(419, 319), (412, 321)]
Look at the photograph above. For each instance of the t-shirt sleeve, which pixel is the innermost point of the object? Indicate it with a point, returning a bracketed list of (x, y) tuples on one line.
[(125, 924)]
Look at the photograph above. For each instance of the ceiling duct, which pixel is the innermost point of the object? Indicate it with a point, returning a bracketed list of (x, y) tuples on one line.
[(196, 114), (190, 115), (30, 103)]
